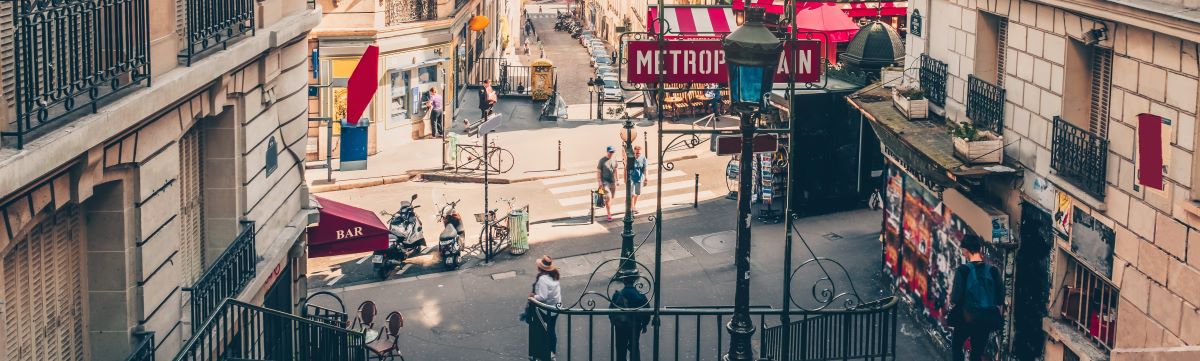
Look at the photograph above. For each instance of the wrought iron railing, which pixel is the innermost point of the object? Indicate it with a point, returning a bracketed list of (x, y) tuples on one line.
[(459, 3), (486, 69), (226, 277), (241, 331), (215, 23), (143, 349), (71, 54), (1079, 156), (1089, 302), (405, 11), (698, 333), (985, 104), (933, 80)]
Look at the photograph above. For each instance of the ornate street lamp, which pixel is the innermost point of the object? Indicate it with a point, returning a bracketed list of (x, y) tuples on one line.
[(752, 55)]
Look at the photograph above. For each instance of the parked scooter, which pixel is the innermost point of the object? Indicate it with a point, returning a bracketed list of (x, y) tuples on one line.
[(451, 239), (405, 239)]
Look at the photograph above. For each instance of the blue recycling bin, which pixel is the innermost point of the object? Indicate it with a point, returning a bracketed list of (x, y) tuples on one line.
[(354, 145)]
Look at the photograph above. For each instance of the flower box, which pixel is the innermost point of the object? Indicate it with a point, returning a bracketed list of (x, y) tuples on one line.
[(911, 108), (890, 76), (988, 149)]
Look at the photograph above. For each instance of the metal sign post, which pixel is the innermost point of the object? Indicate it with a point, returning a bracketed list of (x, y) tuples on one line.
[(485, 127)]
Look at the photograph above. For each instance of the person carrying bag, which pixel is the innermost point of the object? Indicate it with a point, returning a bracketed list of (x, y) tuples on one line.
[(976, 299)]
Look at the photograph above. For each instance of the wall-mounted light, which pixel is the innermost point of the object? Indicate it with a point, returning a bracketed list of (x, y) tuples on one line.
[(1095, 36)]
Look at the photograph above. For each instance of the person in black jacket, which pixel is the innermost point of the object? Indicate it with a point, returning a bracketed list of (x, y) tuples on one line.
[(629, 327), (976, 297)]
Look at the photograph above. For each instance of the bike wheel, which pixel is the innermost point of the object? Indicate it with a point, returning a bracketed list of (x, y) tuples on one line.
[(501, 160)]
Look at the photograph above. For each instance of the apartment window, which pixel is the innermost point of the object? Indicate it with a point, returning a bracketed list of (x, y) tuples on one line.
[(1088, 83), (991, 39), (1088, 302)]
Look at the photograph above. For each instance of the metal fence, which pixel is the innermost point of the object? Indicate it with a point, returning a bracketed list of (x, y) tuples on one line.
[(933, 80), (698, 333), (226, 277), (241, 331), (1079, 156), (215, 23), (985, 104), (1089, 303), (143, 349), (71, 54), (514, 79), (486, 69)]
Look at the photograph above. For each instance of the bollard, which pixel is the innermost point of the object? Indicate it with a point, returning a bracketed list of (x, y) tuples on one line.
[(559, 156), (592, 208), (696, 193), (646, 141)]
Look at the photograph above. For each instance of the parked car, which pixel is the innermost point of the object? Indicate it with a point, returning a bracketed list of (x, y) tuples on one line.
[(601, 61), (605, 71), (612, 90)]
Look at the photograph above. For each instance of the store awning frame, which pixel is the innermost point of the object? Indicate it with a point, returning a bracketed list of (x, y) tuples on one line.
[(345, 229)]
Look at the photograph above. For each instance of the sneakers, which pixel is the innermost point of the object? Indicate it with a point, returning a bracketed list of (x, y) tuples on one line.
[(610, 218)]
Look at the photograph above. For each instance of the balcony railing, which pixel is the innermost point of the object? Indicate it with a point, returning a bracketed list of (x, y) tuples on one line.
[(143, 350), (1089, 303), (985, 104), (241, 331), (71, 54), (1079, 156), (226, 277), (933, 80), (406, 11), (215, 23)]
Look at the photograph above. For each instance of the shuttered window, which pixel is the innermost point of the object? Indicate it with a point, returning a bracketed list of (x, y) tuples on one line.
[(1101, 86), (43, 312), (7, 68), (181, 18), (191, 238), (1001, 44)]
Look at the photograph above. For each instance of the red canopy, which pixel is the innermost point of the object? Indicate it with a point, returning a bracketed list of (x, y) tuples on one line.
[(345, 229), (855, 9)]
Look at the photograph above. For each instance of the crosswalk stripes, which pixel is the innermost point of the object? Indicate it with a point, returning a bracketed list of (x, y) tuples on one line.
[(574, 193)]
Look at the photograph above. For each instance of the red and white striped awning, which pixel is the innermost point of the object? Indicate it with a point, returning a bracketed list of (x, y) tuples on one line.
[(854, 9), (694, 20)]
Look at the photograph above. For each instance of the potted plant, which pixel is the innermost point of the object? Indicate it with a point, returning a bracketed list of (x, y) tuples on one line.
[(975, 146), (891, 76), (911, 101)]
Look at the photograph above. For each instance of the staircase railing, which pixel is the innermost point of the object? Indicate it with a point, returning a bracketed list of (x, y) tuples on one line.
[(241, 331), (227, 275)]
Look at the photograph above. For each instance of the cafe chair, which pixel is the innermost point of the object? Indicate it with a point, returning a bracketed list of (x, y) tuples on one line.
[(387, 344), (366, 316)]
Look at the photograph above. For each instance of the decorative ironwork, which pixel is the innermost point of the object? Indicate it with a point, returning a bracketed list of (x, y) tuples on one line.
[(226, 277), (215, 23), (869, 335), (241, 331), (71, 54), (459, 3), (985, 104), (1079, 156), (824, 290), (143, 349), (933, 80), (405, 11)]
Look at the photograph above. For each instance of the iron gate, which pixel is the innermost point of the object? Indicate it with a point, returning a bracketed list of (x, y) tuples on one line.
[(507, 79)]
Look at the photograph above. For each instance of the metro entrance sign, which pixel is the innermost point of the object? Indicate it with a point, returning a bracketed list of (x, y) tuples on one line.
[(703, 61)]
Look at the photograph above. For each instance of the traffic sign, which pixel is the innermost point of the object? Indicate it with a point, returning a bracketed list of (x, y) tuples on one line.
[(732, 144)]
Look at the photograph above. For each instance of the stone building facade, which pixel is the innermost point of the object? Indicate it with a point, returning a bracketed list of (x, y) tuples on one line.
[(423, 45), (118, 206), (1106, 265)]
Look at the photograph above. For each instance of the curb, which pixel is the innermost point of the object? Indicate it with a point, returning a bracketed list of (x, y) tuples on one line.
[(442, 177)]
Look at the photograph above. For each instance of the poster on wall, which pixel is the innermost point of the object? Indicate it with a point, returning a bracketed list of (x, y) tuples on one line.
[(921, 252), (1092, 243), (1062, 214)]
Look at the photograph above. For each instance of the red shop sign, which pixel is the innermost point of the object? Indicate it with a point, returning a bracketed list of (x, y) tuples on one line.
[(703, 61)]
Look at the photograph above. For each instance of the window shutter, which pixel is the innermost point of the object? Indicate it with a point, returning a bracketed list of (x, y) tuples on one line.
[(7, 66), (1001, 45), (191, 237), (43, 315), (1101, 86), (181, 18)]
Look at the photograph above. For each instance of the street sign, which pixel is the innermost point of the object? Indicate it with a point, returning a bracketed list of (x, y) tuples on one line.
[(732, 144), (486, 126), (703, 61)]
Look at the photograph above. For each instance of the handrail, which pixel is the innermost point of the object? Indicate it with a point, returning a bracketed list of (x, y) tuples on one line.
[(196, 342), (866, 307), (228, 274)]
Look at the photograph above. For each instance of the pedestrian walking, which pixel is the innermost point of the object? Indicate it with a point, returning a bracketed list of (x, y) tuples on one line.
[(541, 49), (975, 301), (487, 99), (606, 170), (434, 104), (713, 93), (629, 327), (637, 175), (542, 323)]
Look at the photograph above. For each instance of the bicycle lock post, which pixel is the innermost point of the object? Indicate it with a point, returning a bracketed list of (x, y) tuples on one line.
[(592, 208), (487, 221), (559, 156)]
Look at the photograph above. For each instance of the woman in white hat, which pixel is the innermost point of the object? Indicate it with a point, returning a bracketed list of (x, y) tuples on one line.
[(547, 290)]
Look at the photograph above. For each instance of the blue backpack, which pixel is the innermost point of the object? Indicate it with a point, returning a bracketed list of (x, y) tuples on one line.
[(980, 303)]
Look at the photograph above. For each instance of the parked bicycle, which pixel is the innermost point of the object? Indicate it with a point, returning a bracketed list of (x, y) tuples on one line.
[(500, 228), (472, 157)]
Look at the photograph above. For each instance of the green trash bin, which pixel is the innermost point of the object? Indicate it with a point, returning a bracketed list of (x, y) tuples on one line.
[(518, 231)]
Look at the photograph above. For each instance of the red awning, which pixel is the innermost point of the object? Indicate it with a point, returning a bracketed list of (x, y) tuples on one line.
[(691, 19), (345, 229), (855, 9)]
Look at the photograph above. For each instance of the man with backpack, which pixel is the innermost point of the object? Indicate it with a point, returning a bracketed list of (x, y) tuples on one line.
[(976, 299), (629, 327), (606, 171)]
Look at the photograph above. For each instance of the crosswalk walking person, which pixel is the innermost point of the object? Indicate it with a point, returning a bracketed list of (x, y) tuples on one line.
[(574, 192)]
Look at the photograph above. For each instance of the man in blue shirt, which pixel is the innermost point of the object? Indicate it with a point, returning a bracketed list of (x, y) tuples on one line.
[(637, 175)]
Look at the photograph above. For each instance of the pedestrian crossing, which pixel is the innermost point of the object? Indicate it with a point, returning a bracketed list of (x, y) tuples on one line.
[(574, 193)]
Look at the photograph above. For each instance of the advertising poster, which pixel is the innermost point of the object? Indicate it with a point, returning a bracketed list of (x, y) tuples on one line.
[(1062, 214)]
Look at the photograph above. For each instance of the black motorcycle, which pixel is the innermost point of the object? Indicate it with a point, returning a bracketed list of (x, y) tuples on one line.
[(451, 239), (405, 239)]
